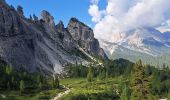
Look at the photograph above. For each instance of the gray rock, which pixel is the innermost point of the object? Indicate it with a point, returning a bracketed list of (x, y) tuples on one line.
[(85, 38), (48, 19), (60, 26)]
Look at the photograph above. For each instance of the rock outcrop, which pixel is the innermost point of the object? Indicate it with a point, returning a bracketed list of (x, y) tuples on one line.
[(84, 36), (40, 45)]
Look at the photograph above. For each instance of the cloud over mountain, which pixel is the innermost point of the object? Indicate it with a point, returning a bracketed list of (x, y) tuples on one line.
[(123, 15)]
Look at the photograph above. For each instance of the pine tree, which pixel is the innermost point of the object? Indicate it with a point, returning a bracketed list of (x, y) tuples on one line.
[(9, 70), (169, 96), (13, 82), (102, 74), (90, 75), (156, 83), (38, 79), (55, 82), (125, 94), (40, 86), (140, 84), (148, 70), (8, 86), (22, 86), (107, 76)]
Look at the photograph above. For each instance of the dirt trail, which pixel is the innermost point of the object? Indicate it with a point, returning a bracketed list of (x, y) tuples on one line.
[(61, 94)]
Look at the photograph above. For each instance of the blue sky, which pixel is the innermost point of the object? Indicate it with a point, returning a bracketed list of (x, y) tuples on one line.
[(60, 9)]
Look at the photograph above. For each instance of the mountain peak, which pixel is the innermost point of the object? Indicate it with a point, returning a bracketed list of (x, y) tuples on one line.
[(74, 19), (60, 26), (61, 23), (77, 21)]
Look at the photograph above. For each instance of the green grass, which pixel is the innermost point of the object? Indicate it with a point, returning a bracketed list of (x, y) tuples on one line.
[(70, 82), (83, 90)]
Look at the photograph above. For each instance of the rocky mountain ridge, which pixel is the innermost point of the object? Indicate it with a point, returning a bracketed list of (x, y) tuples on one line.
[(34, 44)]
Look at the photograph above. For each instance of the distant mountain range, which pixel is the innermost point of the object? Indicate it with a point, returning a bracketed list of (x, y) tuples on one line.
[(34, 44), (148, 44)]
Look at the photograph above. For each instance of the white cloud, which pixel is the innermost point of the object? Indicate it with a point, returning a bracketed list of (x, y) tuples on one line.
[(122, 15), (96, 13)]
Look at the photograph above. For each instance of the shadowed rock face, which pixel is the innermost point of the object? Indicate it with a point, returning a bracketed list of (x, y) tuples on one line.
[(10, 24), (16, 39), (40, 45)]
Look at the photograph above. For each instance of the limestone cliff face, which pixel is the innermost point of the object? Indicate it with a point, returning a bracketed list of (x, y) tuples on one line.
[(84, 36), (40, 45)]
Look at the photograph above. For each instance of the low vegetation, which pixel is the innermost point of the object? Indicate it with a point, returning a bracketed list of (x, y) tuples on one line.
[(116, 80)]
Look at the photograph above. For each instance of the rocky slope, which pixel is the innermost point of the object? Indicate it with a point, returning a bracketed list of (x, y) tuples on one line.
[(40, 45)]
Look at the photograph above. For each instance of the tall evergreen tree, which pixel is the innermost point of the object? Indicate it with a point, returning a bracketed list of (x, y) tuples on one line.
[(22, 86), (9, 70), (8, 86), (125, 93), (169, 96), (55, 82), (90, 75), (40, 86), (102, 74), (140, 84), (107, 76), (156, 83)]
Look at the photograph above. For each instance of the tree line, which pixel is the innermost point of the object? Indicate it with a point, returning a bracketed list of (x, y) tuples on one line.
[(12, 79)]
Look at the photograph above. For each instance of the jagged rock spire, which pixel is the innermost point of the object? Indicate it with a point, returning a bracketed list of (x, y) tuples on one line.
[(60, 26), (35, 18), (47, 18), (20, 11), (31, 17)]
